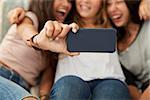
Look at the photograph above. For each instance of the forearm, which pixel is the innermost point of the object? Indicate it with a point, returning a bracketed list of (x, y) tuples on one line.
[(26, 30), (46, 81)]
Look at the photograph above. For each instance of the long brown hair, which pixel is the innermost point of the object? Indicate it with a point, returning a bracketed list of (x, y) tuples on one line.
[(44, 11), (133, 7), (101, 18)]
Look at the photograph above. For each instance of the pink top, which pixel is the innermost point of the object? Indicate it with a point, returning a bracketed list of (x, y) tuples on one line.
[(18, 56)]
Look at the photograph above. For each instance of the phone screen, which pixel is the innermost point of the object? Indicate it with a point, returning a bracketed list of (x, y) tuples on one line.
[(92, 40)]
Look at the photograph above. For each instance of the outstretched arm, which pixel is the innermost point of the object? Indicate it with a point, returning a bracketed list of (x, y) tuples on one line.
[(52, 37)]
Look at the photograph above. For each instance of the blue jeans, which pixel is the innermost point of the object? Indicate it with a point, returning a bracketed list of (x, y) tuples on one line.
[(11, 91), (13, 76), (74, 88)]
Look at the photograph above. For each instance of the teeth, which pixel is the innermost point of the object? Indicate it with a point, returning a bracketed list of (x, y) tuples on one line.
[(62, 10), (84, 7), (115, 17)]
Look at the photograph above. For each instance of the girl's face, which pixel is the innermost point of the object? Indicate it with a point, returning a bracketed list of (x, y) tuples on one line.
[(118, 12), (61, 9), (88, 8)]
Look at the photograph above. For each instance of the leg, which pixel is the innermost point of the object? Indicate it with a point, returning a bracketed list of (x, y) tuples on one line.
[(70, 88), (11, 91), (110, 90)]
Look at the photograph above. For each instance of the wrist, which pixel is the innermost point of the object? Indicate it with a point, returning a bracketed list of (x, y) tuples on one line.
[(34, 43), (33, 39)]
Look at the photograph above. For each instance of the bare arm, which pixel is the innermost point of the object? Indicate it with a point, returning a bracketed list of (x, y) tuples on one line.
[(27, 30), (52, 30), (47, 79)]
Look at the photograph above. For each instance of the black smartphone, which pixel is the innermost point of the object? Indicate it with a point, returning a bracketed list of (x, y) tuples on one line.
[(92, 40)]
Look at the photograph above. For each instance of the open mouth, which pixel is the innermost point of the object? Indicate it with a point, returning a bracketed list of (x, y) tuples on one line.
[(61, 14), (116, 18)]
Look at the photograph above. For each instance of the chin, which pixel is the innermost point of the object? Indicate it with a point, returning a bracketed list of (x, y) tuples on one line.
[(118, 24), (60, 20)]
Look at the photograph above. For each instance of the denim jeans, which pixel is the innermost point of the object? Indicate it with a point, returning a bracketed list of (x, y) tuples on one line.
[(10, 90), (74, 88), (13, 76)]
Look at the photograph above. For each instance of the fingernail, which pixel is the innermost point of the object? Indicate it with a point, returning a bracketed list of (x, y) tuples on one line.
[(56, 38), (50, 39), (74, 30)]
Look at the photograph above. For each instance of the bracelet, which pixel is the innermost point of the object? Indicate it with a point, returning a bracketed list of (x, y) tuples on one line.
[(46, 97), (29, 98), (35, 43)]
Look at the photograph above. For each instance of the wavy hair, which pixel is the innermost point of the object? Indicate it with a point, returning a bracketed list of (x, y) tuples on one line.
[(101, 18)]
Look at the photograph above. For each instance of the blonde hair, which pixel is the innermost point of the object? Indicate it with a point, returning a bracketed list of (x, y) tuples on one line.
[(101, 18)]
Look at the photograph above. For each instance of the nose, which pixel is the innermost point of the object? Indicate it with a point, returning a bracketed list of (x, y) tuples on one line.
[(66, 3), (113, 7), (86, 1)]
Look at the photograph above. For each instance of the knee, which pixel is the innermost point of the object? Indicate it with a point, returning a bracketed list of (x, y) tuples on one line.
[(117, 85), (68, 86), (69, 81), (115, 89)]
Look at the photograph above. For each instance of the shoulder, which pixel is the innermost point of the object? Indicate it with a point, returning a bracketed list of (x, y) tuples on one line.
[(33, 17), (145, 29), (146, 25)]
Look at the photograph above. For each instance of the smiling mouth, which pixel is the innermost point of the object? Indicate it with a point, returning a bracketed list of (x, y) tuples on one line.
[(61, 13), (116, 18), (84, 7)]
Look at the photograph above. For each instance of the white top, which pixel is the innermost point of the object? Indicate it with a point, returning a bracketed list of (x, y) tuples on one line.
[(90, 66), (137, 57)]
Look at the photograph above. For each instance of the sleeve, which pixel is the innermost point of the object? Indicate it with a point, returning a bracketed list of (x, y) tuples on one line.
[(33, 17), (147, 50)]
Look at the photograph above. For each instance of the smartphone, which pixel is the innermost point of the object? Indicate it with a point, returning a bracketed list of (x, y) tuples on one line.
[(92, 40)]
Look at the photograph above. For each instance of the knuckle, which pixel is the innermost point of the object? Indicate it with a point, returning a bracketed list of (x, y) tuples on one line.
[(48, 22), (57, 29), (66, 26)]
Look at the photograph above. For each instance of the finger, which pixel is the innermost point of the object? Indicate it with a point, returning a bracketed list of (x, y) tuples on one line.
[(140, 15), (71, 53), (145, 13), (10, 16), (14, 20), (49, 29), (74, 27), (57, 29), (21, 16), (64, 32)]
